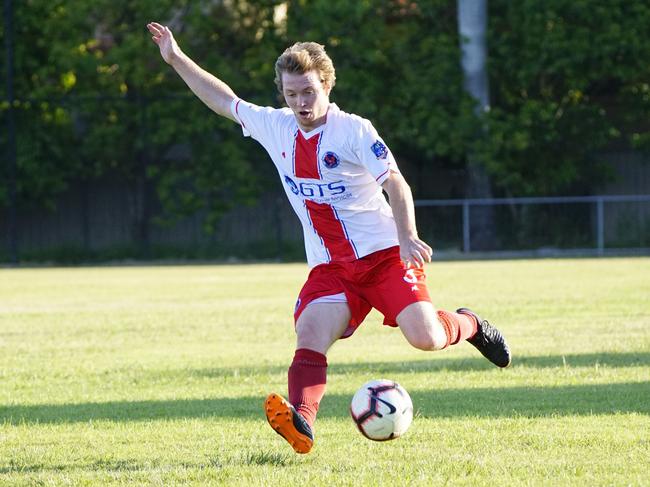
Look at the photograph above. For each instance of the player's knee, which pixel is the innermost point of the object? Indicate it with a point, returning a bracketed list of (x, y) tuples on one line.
[(421, 327), (321, 325), (308, 337), (428, 338)]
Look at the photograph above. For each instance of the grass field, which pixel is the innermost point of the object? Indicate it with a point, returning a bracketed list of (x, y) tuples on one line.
[(156, 376)]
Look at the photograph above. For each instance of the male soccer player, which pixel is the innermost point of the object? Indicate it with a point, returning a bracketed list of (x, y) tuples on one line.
[(363, 252)]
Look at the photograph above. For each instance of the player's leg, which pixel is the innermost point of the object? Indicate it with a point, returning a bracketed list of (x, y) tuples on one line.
[(318, 327), (427, 329), (420, 326), (402, 296)]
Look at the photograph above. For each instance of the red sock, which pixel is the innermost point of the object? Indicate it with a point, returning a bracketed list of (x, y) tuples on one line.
[(457, 326), (307, 378)]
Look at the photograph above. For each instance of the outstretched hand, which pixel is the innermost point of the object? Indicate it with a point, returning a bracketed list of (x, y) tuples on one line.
[(164, 38), (415, 252)]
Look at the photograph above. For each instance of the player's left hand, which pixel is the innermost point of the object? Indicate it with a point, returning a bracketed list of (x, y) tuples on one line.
[(164, 38), (415, 252)]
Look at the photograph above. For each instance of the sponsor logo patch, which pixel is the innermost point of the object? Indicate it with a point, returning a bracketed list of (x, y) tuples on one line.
[(315, 190), (379, 150), (331, 160), (292, 185)]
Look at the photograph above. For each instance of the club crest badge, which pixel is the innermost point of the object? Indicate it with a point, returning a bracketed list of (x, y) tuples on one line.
[(379, 150), (331, 160)]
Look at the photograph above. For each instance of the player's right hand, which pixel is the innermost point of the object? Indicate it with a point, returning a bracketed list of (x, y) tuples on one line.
[(415, 252), (164, 38)]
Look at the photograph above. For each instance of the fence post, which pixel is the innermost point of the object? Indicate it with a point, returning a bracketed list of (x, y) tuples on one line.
[(600, 225), (466, 228)]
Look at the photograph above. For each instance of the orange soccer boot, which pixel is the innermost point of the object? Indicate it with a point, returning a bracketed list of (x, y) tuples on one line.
[(288, 423)]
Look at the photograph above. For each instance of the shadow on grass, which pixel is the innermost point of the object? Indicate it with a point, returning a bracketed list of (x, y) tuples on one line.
[(431, 362), (437, 362), (573, 400), (117, 466), (257, 458)]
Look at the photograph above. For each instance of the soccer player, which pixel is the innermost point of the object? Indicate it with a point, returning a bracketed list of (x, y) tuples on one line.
[(363, 252)]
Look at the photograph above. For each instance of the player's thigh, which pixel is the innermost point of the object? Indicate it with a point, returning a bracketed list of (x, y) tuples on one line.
[(395, 287), (321, 324), (420, 325)]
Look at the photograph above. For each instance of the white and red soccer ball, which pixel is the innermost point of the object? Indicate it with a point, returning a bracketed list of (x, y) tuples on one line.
[(382, 410)]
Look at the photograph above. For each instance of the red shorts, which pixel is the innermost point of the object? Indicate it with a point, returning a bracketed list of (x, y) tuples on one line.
[(379, 280)]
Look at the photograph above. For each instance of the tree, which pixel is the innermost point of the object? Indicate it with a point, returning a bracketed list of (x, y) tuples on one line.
[(96, 99), (567, 80)]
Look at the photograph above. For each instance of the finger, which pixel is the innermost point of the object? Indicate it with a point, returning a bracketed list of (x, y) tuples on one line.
[(425, 252), (424, 247), (154, 29), (429, 249), (417, 258)]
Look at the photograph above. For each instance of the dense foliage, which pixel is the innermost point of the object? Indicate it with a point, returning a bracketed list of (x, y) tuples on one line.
[(94, 99), (568, 79)]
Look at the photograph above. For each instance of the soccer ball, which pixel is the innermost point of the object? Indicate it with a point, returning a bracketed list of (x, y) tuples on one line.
[(382, 410)]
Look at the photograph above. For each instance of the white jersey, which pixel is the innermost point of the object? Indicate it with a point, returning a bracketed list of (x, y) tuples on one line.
[(332, 177)]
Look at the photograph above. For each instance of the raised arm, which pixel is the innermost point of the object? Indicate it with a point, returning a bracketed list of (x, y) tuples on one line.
[(413, 251), (216, 94)]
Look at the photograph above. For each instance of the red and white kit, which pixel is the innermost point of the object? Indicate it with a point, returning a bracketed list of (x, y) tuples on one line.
[(332, 177)]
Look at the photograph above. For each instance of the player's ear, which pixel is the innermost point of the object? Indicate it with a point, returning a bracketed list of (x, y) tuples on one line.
[(326, 87)]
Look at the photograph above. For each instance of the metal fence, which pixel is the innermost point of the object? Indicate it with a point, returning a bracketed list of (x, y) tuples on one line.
[(543, 226), (538, 225)]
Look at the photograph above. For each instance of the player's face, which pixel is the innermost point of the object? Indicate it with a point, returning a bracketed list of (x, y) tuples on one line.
[(308, 97)]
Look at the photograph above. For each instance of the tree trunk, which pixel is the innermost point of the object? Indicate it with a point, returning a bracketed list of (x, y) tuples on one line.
[(472, 26)]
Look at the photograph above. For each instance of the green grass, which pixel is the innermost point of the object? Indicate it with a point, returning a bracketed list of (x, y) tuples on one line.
[(156, 376)]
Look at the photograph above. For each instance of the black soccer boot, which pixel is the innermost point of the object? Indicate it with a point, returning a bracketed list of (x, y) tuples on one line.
[(488, 340)]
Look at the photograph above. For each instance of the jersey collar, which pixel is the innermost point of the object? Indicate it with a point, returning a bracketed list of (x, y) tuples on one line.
[(331, 110)]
